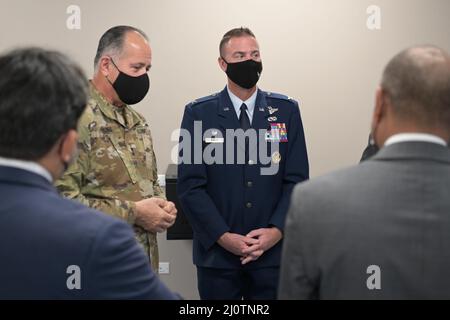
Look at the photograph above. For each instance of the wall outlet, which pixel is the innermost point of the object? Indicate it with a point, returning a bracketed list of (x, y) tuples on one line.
[(162, 180), (164, 268)]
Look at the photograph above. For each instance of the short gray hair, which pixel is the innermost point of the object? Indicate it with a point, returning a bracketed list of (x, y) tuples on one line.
[(112, 41), (417, 82)]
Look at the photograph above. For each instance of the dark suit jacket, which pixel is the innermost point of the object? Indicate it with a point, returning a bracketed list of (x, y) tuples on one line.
[(217, 198), (42, 234), (391, 211)]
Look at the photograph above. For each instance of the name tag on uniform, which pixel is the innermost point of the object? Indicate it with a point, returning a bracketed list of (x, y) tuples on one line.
[(214, 140), (277, 132)]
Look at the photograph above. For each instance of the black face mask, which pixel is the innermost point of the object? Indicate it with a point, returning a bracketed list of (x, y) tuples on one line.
[(245, 73), (130, 90)]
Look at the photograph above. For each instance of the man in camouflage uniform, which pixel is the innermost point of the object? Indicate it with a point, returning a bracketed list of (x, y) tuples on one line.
[(115, 171)]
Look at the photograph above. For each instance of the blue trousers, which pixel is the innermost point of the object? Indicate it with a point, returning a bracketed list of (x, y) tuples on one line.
[(238, 284)]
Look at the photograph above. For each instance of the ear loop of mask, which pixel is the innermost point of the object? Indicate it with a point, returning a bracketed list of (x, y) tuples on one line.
[(115, 66)]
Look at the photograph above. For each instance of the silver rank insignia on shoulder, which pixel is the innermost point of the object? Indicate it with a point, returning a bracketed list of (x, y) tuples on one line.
[(272, 110)]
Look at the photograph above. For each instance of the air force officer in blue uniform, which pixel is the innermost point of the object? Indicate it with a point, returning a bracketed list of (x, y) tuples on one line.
[(236, 209)]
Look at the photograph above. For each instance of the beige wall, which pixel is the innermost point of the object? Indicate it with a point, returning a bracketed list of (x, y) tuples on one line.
[(317, 51)]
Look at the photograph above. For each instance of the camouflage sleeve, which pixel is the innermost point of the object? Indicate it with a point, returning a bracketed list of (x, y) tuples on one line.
[(70, 185), (157, 190)]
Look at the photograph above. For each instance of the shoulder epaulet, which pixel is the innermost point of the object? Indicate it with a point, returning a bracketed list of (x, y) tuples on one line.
[(204, 99), (279, 96)]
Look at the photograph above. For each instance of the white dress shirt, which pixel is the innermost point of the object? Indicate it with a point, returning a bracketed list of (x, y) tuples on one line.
[(30, 166), (237, 103)]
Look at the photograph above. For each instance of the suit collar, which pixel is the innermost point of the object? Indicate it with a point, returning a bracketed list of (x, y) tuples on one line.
[(415, 136), (416, 150), (30, 166), (12, 175), (237, 102)]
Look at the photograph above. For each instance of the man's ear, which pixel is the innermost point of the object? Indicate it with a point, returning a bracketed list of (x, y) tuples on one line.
[(222, 64), (69, 145)]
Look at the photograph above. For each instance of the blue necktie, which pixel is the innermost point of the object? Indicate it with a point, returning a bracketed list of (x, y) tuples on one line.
[(245, 124), (243, 118)]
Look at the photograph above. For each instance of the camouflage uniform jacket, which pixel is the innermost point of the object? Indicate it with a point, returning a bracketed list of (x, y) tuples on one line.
[(116, 165)]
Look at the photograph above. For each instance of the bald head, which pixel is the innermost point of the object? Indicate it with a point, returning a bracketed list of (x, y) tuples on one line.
[(112, 42), (417, 83)]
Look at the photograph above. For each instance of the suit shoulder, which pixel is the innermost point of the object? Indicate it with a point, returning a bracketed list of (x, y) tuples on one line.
[(336, 185), (198, 103), (85, 223)]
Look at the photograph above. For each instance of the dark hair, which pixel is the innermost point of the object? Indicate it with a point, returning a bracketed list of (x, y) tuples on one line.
[(112, 41), (42, 95), (234, 33), (417, 81)]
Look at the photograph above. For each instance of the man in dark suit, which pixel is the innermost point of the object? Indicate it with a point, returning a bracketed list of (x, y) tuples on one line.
[(50, 247), (381, 230), (236, 199)]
